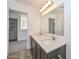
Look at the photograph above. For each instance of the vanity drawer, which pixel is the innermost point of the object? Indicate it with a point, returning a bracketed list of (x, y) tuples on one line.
[(53, 53), (59, 53), (62, 52)]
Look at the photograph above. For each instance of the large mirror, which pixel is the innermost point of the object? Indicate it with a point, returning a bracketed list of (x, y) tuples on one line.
[(53, 22)]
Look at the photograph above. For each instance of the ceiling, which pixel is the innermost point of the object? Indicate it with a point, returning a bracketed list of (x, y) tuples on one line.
[(59, 9), (34, 3)]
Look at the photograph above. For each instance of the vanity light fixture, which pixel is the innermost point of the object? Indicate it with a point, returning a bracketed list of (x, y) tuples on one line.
[(52, 6), (49, 3), (49, 9), (54, 0)]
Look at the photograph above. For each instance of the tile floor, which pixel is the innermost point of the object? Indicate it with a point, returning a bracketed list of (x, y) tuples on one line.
[(17, 45), (22, 54)]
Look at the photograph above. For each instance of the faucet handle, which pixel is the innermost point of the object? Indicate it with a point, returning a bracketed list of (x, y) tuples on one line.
[(53, 37)]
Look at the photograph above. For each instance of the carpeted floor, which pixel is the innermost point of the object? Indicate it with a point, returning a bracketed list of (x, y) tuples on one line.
[(22, 54)]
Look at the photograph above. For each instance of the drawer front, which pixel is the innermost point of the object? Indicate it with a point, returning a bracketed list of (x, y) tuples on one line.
[(55, 52), (58, 53), (62, 52), (53, 57)]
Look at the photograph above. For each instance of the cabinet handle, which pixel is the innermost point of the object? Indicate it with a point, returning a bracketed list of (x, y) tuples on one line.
[(60, 56)]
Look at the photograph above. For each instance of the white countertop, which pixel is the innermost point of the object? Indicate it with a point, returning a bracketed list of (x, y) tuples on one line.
[(47, 43)]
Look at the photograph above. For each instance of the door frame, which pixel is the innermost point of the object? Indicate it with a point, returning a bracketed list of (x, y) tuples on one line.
[(8, 10)]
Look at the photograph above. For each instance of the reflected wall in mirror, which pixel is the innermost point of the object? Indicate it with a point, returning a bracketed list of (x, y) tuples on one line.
[(53, 22)]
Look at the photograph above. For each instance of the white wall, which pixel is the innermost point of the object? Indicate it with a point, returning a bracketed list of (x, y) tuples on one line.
[(67, 27), (33, 17), (59, 19)]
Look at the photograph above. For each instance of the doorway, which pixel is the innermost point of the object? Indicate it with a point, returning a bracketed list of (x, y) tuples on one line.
[(52, 25), (12, 29), (17, 31)]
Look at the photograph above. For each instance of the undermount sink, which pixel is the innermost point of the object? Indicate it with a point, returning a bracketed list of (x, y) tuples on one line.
[(48, 42)]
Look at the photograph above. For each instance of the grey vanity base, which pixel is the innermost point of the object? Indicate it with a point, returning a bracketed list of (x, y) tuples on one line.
[(38, 53)]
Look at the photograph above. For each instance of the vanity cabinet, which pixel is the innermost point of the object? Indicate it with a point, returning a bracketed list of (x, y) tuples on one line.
[(38, 52), (59, 53), (33, 48)]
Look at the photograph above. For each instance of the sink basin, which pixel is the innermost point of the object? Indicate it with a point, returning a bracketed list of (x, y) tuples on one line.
[(48, 42)]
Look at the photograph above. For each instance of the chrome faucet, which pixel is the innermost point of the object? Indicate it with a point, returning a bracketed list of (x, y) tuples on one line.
[(53, 37)]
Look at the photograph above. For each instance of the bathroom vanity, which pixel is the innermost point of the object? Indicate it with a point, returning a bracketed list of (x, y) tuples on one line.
[(48, 46)]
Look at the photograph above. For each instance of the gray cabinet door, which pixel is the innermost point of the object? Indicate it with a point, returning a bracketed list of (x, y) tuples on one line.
[(12, 29), (38, 52), (33, 48), (62, 52), (43, 54)]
